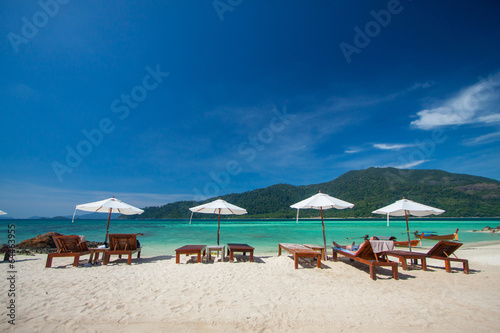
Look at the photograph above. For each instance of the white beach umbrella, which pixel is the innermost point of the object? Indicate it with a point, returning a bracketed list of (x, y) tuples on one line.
[(111, 205), (407, 207), (219, 207), (3, 213), (322, 201)]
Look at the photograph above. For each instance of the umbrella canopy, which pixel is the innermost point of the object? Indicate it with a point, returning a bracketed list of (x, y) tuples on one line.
[(219, 207), (3, 213), (407, 207), (322, 201), (111, 205)]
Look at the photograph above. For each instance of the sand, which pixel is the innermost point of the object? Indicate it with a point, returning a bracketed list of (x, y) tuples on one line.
[(156, 295)]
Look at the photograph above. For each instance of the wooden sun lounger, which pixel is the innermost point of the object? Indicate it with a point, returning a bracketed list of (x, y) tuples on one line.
[(69, 246), (441, 251), (300, 251), (365, 255), (122, 244)]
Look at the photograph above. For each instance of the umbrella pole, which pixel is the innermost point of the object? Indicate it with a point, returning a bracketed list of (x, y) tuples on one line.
[(387, 219), (408, 230), (324, 237), (218, 229), (107, 228)]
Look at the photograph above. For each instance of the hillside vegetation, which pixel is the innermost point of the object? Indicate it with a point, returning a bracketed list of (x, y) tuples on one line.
[(460, 195)]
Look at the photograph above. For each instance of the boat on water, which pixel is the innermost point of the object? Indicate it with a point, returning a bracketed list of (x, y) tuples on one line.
[(413, 242), (434, 235)]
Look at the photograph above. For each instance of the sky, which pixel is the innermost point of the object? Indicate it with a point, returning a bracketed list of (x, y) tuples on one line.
[(159, 101)]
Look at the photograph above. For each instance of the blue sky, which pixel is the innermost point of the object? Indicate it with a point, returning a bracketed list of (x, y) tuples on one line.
[(160, 101)]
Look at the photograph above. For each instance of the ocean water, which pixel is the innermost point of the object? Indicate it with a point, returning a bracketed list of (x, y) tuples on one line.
[(161, 237)]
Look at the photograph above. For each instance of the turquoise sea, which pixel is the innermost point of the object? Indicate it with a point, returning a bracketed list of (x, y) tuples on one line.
[(164, 236)]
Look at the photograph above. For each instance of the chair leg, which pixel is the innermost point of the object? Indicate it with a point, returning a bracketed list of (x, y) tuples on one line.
[(105, 259), (76, 261), (49, 261), (466, 267), (372, 272), (129, 261), (395, 273), (447, 265)]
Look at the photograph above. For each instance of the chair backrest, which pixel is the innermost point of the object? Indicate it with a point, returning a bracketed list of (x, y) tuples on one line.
[(71, 243), (122, 242), (444, 249), (365, 251)]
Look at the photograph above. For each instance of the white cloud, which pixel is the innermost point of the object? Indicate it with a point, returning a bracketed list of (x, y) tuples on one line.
[(409, 165), (476, 104), (483, 139), (352, 151), (396, 146)]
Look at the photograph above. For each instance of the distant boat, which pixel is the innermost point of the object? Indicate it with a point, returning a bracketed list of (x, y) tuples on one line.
[(434, 235)]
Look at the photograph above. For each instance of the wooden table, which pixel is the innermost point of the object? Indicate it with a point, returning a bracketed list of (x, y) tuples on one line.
[(190, 249), (300, 251), (232, 248), (403, 255)]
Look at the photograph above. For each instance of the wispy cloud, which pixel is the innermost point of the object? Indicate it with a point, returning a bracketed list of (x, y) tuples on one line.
[(409, 165), (476, 104), (396, 146), (483, 139)]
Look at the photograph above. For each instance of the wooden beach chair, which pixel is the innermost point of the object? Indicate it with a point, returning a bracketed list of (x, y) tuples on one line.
[(300, 251), (122, 244), (69, 246), (441, 251), (365, 255)]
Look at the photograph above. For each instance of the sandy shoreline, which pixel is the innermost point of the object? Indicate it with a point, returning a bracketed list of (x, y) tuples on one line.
[(155, 294)]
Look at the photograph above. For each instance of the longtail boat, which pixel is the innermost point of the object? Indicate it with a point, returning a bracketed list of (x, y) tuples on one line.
[(413, 242), (433, 235)]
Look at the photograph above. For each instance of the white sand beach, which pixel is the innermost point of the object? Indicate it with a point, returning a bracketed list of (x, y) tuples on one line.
[(156, 295)]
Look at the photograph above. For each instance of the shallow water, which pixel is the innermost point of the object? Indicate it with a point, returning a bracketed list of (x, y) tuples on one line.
[(164, 236)]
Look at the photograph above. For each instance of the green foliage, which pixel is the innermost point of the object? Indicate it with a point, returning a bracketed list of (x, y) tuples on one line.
[(370, 189)]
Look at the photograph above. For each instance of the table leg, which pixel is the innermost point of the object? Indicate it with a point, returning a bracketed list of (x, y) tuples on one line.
[(403, 262), (424, 264)]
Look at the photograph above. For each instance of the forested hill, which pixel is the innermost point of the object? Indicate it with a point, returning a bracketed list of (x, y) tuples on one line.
[(460, 195)]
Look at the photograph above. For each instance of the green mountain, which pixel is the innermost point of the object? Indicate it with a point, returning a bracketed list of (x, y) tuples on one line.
[(460, 195)]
